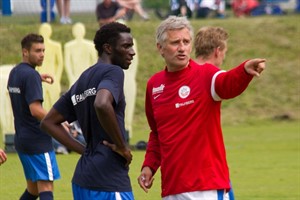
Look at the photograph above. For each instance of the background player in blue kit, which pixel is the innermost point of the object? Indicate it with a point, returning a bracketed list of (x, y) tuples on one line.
[(97, 101), (34, 146)]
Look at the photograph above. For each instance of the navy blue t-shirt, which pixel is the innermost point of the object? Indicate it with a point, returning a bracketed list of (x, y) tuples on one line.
[(24, 87), (99, 168)]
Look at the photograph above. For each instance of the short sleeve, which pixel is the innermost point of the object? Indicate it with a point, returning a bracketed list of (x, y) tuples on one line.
[(33, 87), (65, 107), (114, 82)]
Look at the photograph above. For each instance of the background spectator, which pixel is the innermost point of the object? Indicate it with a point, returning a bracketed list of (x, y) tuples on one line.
[(75, 131), (44, 15), (242, 8), (182, 8), (134, 5), (109, 11), (63, 8), (297, 9), (177, 8), (210, 8)]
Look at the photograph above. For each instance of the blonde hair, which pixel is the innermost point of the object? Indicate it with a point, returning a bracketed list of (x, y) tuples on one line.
[(209, 38)]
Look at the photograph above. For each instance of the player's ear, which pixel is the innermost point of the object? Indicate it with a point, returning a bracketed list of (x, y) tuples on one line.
[(217, 51), (160, 49), (25, 52), (107, 48)]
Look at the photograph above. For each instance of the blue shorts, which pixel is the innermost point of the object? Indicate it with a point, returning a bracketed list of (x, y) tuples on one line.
[(40, 166), (80, 193)]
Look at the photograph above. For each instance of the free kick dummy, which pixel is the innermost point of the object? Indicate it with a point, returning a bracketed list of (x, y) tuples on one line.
[(79, 54), (52, 65)]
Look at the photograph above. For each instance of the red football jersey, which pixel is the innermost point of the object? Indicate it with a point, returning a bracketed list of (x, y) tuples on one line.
[(183, 112)]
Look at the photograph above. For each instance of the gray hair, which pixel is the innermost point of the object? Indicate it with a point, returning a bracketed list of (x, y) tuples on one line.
[(172, 23)]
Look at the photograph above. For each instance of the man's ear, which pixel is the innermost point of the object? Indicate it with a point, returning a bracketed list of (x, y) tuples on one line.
[(217, 52), (25, 52), (160, 49), (107, 48)]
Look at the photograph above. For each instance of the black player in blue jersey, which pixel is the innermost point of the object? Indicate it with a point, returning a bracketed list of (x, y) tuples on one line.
[(97, 101)]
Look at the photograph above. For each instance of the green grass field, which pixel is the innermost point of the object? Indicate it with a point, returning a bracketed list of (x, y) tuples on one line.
[(264, 162), (263, 153)]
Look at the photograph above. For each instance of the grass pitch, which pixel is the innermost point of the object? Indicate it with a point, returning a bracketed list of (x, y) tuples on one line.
[(264, 162)]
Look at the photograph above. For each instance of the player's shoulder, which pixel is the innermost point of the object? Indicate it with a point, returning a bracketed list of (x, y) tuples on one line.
[(104, 69), (206, 67), (24, 69)]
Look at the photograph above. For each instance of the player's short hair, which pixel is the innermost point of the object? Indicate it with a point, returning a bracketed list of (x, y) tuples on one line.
[(208, 38), (109, 34), (172, 23), (31, 38)]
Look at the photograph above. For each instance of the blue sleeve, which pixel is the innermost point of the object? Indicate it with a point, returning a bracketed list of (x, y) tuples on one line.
[(113, 81), (33, 87), (65, 107)]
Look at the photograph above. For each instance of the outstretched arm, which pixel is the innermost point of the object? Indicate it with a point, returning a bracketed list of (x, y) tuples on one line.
[(226, 85)]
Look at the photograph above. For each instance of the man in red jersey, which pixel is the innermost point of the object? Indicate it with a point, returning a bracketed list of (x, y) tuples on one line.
[(210, 48), (182, 106)]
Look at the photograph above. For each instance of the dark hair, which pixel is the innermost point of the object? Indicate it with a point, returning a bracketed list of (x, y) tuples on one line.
[(109, 34), (31, 38)]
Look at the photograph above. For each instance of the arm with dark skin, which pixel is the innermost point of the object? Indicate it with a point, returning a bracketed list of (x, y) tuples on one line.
[(106, 115), (52, 124)]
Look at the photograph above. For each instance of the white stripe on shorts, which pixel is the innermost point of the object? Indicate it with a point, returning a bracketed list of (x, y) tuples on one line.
[(226, 196), (49, 166), (118, 196)]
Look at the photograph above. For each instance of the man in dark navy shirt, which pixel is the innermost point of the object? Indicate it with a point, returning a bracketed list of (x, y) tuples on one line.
[(109, 11), (97, 101), (34, 146)]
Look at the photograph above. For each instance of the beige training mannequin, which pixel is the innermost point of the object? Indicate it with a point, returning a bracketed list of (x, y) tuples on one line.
[(52, 65), (6, 114), (130, 90), (79, 54)]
